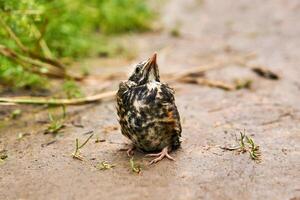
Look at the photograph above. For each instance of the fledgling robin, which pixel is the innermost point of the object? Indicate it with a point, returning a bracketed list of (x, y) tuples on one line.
[(147, 112)]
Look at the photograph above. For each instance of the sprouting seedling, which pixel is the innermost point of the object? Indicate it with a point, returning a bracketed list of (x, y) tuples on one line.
[(242, 142), (3, 156), (76, 153), (104, 165), (135, 167), (253, 149), (16, 113), (246, 144), (71, 89), (56, 125)]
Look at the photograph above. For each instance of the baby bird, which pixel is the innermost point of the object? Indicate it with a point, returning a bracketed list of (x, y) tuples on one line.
[(147, 112)]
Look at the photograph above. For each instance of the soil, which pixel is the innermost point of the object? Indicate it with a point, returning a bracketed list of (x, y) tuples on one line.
[(40, 166)]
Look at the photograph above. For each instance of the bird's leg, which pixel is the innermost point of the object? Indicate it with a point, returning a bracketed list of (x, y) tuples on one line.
[(129, 150), (160, 156)]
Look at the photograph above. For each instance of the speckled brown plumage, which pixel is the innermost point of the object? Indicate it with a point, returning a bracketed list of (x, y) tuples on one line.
[(147, 112)]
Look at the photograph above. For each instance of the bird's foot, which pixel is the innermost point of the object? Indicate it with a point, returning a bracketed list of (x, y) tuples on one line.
[(129, 150), (160, 156)]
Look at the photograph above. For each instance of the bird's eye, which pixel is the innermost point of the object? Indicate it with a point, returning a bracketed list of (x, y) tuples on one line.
[(137, 70)]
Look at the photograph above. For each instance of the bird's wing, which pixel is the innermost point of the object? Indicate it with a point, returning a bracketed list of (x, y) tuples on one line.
[(158, 103), (169, 108)]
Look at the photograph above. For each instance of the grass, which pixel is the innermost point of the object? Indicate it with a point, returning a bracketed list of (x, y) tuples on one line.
[(15, 113), (104, 165), (76, 153), (16, 77), (57, 31), (243, 84), (57, 124), (3, 156), (119, 16), (246, 144), (72, 90), (242, 143), (136, 168), (253, 149)]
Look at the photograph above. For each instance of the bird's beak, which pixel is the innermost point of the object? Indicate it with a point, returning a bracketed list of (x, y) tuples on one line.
[(152, 65), (152, 60)]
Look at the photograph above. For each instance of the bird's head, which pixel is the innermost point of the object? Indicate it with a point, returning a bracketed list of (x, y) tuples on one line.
[(145, 71)]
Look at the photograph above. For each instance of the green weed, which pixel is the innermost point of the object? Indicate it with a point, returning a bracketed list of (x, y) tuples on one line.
[(136, 168), (76, 154), (104, 165), (246, 144), (72, 90), (56, 125), (63, 29)]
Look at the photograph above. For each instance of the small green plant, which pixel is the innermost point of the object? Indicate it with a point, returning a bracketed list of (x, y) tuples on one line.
[(253, 149), (104, 165), (119, 16), (3, 156), (136, 168), (243, 84), (16, 113), (76, 154), (16, 77), (56, 125), (72, 90), (35, 34), (246, 144)]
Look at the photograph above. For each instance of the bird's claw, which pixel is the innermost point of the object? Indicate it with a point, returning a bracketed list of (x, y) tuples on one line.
[(130, 151), (160, 156)]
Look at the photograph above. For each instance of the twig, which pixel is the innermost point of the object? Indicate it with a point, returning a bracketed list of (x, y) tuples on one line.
[(207, 82), (240, 60), (110, 94), (12, 35), (49, 143), (42, 42), (193, 75), (44, 68), (265, 73), (41, 100), (195, 70), (230, 148)]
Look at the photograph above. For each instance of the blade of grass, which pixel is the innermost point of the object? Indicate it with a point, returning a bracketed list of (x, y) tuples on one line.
[(134, 167), (76, 154)]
